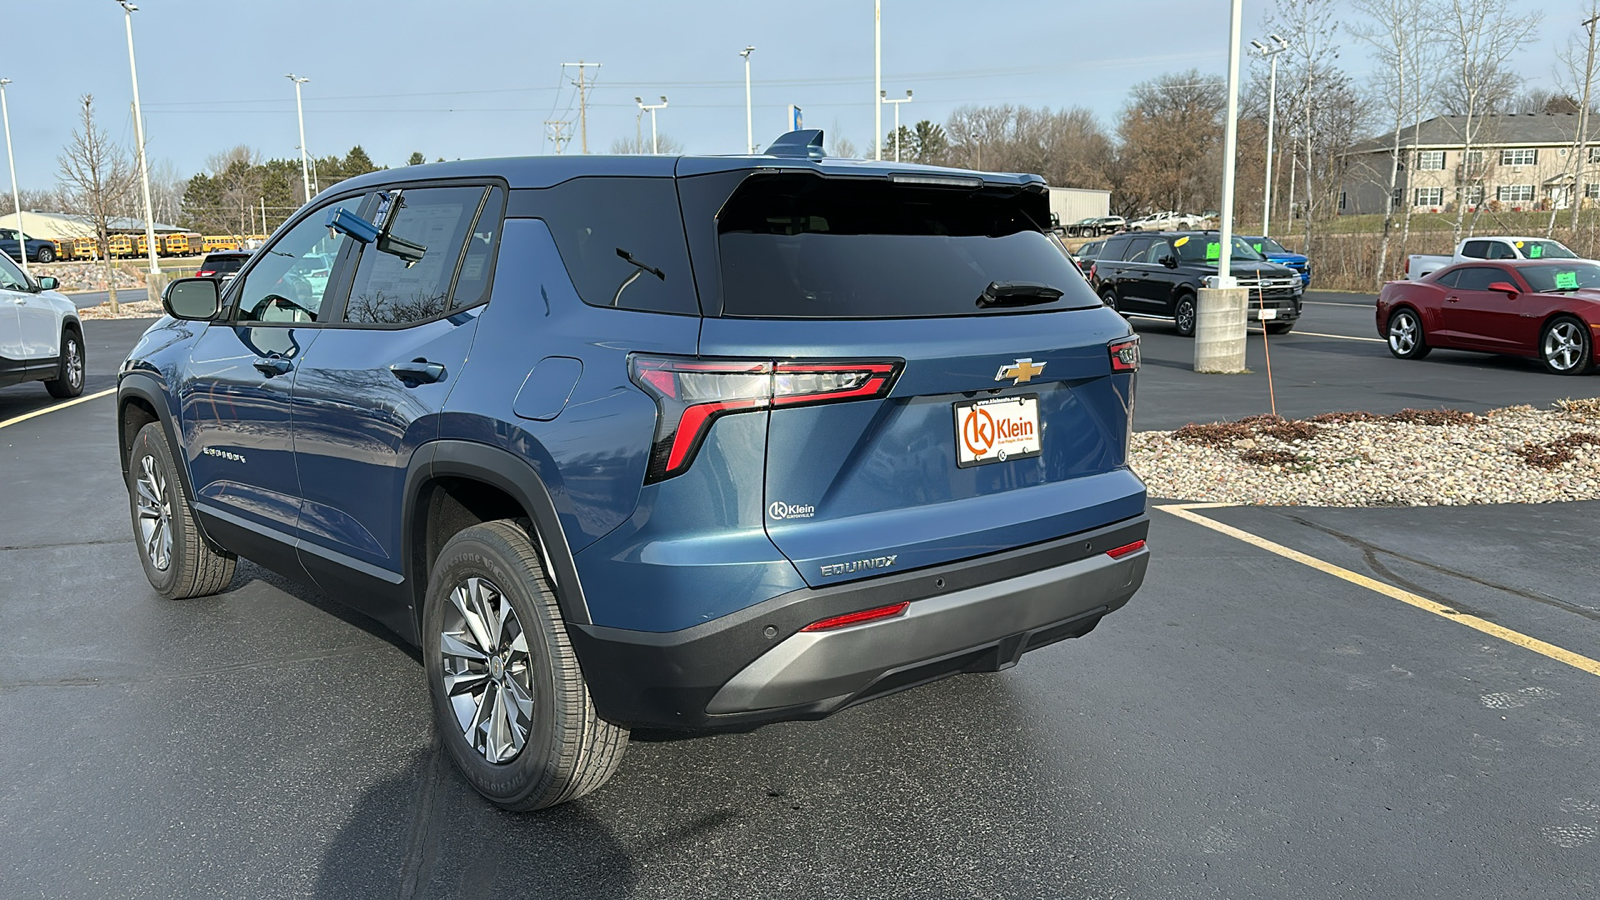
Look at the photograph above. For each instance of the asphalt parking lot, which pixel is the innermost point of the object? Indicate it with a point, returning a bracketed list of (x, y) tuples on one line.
[(1259, 721)]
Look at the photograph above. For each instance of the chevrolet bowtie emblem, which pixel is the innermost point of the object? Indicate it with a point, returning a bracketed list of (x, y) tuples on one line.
[(1019, 372)]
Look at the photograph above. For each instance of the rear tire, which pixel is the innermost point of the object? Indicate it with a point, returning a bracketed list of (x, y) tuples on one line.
[(1184, 314), (68, 382), (1566, 347), (176, 559), (1109, 298), (515, 712), (1406, 339)]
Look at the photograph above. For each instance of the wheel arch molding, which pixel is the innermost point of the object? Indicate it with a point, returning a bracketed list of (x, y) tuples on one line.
[(441, 461)]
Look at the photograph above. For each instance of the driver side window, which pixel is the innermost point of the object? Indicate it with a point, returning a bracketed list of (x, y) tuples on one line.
[(289, 282)]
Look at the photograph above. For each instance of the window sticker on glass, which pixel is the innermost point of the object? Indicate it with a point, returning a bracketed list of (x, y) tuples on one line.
[(1213, 251), (1566, 281), (1519, 245), (1258, 247), (1536, 251), (1181, 241)]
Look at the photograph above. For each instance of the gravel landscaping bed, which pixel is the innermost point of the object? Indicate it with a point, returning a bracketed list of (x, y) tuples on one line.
[(1435, 457), (142, 309)]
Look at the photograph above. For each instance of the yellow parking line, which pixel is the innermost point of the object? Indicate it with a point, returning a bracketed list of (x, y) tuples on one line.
[(59, 406), (1186, 511)]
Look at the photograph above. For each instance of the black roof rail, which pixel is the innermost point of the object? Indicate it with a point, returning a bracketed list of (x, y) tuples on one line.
[(804, 144)]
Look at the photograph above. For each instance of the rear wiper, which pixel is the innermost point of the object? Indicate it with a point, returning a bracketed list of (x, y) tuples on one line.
[(642, 268), (1017, 293)]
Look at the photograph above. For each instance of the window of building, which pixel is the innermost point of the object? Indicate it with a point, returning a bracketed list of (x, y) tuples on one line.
[(1524, 157), (1594, 154), (1514, 193), (1342, 199), (1430, 159), (1398, 198), (1433, 196), (1592, 191), (1474, 159), (1472, 194)]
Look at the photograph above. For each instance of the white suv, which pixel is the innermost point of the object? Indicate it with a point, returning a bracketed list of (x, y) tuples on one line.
[(41, 338)]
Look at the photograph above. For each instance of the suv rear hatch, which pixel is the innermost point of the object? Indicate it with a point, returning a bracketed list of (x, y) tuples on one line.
[(977, 407)]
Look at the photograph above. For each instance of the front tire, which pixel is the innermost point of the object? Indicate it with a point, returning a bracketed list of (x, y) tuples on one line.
[(46, 255), (1109, 298), (1184, 314), (177, 561), (1566, 347), (1406, 338), (508, 694), (68, 382)]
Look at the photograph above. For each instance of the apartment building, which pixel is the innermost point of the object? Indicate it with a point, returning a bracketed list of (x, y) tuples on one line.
[(1517, 162)]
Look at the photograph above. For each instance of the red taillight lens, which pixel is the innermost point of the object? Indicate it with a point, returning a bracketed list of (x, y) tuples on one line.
[(205, 274), (856, 618), (1124, 354), (1091, 272), (1125, 549), (691, 394)]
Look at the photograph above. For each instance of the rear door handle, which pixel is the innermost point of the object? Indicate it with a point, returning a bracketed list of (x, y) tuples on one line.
[(418, 371), (273, 365)]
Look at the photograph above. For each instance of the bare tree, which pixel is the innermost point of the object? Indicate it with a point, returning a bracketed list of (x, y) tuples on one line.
[(1575, 70), (1406, 58), (238, 175), (664, 145), (840, 146), (1168, 134), (96, 176), (1479, 37), (1317, 88)]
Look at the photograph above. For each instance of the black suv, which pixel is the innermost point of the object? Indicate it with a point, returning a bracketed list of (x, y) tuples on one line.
[(1159, 275)]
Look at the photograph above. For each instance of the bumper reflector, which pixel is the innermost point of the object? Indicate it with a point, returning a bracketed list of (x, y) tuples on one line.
[(856, 618), (1125, 549)]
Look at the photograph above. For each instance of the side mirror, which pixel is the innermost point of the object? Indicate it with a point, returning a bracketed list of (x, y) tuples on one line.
[(1505, 287), (1169, 261), (46, 283), (195, 299)]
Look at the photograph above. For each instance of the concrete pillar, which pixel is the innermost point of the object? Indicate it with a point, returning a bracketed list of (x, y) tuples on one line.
[(1219, 331)]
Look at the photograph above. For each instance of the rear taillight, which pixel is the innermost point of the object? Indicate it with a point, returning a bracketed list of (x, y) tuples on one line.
[(204, 274), (1091, 272), (691, 394), (1124, 354)]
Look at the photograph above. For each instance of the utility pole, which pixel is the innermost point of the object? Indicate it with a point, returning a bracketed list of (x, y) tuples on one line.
[(556, 132), (905, 99), (305, 168), (583, 101), (1583, 122), (128, 10), (877, 78), (749, 129), (1270, 53), (16, 195), (652, 107)]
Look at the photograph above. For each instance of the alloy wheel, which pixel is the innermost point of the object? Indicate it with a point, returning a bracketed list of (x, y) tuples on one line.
[(155, 514), (74, 364), (487, 675), (1403, 334), (1563, 346), (1185, 316)]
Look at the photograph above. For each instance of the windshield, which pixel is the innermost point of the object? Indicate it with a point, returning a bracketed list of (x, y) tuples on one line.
[(1264, 246), (1545, 250), (1207, 248), (1561, 278)]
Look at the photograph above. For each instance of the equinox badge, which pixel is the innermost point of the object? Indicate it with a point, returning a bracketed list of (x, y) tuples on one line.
[(1021, 371)]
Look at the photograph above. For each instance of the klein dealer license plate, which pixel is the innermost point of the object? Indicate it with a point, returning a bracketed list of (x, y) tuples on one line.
[(997, 429)]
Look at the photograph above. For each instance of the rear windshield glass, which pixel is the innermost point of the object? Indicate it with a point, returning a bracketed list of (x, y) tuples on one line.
[(224, 263), (802, 246), (1553, 279)]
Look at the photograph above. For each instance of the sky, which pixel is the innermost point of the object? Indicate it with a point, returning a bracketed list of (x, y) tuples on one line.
[(468, 78)]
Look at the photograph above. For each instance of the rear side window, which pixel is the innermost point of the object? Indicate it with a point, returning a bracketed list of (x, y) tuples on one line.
[(621, 240), (1448, 279), (804, 246), (411, 284), (1475, 249), (1114, 249), (1478, 278)]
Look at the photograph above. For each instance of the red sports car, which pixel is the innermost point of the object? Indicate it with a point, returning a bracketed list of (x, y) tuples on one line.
[(1548, 309)]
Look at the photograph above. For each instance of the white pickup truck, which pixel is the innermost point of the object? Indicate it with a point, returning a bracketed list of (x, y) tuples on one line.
[(1419, 266)]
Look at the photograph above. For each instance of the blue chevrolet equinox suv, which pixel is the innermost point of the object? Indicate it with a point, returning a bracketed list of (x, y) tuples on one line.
[(675, 443)]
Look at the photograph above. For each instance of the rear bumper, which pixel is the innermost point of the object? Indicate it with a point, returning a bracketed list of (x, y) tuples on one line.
[(757, 666)]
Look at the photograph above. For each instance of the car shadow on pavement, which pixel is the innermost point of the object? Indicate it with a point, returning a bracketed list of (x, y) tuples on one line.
[(310, 595)]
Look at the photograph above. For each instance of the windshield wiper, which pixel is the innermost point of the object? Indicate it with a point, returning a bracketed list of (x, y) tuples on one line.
[(1017, 293)]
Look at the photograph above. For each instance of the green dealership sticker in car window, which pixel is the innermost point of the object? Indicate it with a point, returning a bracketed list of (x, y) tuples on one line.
[(1536, 251), (1566, 281), (1213, 251)]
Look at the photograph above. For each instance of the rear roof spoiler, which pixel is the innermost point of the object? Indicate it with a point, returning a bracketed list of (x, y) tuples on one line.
[(806, 144)]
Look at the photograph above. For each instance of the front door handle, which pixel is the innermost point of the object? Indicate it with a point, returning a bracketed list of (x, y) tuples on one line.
[(1452, 299), (273, 365), (418, 371)]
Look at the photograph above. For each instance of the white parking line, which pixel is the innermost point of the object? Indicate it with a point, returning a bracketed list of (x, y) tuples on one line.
[(1333, 303), (59, 406), (1342, 337)]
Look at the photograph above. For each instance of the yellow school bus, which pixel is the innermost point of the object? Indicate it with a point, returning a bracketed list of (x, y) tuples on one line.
[(219, 242), (182, 244), (85, 248), (120, 245)]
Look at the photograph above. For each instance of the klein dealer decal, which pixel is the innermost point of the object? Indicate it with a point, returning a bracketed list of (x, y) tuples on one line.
[(782, 510)]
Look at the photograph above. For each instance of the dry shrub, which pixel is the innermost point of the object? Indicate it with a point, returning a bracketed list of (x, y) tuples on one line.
[(1587, 409), (1269, 457), (1292, 430), (1216, 434), (1552, 454), (1435, 417), (1344, 418)]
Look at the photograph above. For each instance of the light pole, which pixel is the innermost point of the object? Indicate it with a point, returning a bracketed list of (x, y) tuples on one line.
[(1270, 53), (652, 107), (877, 78), (128, 9), (1221, 309), (16, 195), (300, 112), (749, 128), (905, 99)]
